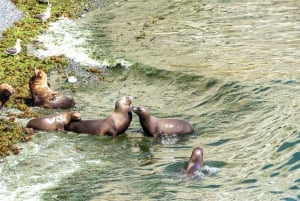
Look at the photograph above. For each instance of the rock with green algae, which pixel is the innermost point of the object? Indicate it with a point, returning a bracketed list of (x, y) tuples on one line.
[(12, 133), (16, 70)]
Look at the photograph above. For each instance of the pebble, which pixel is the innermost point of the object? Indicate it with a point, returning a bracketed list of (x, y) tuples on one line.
[(72, 79)]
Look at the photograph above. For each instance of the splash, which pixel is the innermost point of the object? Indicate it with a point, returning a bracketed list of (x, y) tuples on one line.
[(210, 170), (169, 139), (37, 168), (65, 37)]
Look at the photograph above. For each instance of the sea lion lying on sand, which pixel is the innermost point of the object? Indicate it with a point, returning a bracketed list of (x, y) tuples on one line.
[(114, 125), (155, 127), (5, 92), (43, 96), (54, 122)]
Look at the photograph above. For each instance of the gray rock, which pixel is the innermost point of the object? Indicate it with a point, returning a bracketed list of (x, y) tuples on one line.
[(8, 15)]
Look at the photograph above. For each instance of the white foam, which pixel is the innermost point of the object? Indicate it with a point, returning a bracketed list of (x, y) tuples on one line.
[(64, 37), (211, 170), (39, 166), (169, 139), (199, 175)]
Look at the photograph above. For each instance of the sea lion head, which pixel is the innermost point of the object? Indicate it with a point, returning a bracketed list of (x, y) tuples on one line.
[(75, 116), (195, 162), (6, 91), (141, 111), (39, 78), (197, 155), (123, 104)]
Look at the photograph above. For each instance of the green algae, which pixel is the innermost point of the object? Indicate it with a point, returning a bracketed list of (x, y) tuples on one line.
[(17, 70)]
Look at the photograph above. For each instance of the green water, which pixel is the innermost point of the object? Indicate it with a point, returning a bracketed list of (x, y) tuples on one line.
[(228, 67)]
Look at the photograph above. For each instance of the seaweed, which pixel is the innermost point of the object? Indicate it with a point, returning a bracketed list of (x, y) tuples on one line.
[(17, 70)]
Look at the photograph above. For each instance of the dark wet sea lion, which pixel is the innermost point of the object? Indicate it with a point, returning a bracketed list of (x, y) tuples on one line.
[(156, 127), (53, 122), (195, 163), (114, 125), (43, 96), (5, 92)]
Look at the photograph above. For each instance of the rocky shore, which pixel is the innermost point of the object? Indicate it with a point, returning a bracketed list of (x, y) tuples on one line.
[(16, 70), (8, 15)]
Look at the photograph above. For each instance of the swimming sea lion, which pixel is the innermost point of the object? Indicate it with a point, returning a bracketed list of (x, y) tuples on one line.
[(43, 96), (5, 92), (195, 163), (155, 127), (115, 124), (53, 122)]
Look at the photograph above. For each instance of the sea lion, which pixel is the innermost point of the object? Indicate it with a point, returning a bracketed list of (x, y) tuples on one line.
[(5, 92), (54, 122), (195, 163), (43, 96), (114, 125), (155, 127)]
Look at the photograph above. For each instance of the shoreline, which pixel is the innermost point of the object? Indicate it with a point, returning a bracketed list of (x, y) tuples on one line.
[(16, 70)]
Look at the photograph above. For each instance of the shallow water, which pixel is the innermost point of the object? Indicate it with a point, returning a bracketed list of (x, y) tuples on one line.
[(228, 67)]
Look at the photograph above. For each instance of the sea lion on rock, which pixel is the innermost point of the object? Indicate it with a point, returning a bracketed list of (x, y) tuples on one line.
[(195, 163), (114, 125), (155, 127), (43, 96), (5, 92), (53, 122)]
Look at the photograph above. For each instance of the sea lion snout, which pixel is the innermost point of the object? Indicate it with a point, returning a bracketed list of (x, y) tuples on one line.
[(138, 109), (198, 151), (126, 100), (76, 116), (123, 104), (134, 109)]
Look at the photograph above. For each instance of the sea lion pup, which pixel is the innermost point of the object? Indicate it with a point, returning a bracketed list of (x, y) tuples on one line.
[(114, 125), (43, 96), (155, 127), (195, 163), (54, 122), (5, 92)]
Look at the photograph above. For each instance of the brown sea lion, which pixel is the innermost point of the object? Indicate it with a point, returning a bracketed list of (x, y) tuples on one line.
[(5, 92), (43, 96), (53, 122), (155, 127), (195, 163), (114, 125)]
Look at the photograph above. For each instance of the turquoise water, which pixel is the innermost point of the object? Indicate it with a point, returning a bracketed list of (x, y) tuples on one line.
[(228, 67)]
